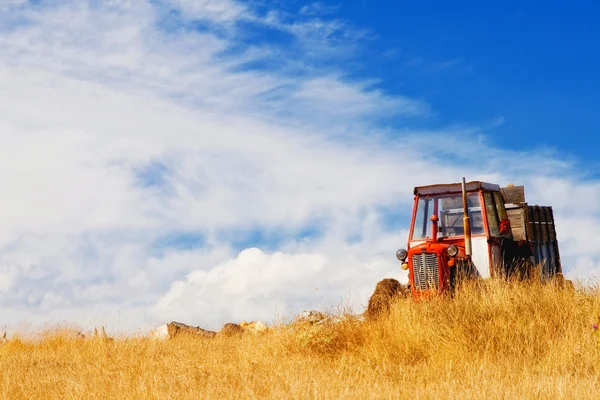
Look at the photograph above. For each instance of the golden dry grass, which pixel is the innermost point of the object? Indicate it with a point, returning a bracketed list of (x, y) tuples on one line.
[(493, 342)]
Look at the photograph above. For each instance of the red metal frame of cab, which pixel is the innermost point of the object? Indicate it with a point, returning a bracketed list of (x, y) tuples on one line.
[(439, 247)]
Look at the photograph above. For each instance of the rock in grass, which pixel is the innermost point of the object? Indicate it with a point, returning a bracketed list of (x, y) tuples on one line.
[(178, 328)]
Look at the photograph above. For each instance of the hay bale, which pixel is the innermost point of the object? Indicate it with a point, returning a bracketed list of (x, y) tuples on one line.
[(387, 291)]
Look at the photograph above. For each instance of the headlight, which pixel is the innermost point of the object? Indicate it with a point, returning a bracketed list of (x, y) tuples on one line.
[(401, 254), (452, 250)]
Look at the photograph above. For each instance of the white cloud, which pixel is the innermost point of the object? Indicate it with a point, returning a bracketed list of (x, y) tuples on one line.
[(328, 97), (7, 4), (318, 8), (585, 269), (325, 274), (214, 10), (93, 94)]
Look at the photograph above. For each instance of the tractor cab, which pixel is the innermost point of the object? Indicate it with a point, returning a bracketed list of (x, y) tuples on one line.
[(466, 230)]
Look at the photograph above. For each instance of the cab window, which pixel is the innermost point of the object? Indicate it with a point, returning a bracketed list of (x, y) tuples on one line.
[(450, 212), (492, 214)]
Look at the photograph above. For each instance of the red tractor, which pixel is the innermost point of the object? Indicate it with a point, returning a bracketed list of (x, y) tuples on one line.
[(476, 230)]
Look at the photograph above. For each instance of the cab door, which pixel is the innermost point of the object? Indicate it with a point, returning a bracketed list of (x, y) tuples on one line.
[(495, 213)]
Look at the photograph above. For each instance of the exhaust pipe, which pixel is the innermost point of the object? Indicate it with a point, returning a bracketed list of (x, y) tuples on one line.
[(466, 221)]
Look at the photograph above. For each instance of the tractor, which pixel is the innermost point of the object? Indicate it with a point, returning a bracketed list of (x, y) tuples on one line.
[(476, 230)]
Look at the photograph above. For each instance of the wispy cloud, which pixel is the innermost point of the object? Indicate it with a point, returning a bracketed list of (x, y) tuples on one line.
[(318, 9), (428, 65), (441, 65), (213, 10), (121, 129)]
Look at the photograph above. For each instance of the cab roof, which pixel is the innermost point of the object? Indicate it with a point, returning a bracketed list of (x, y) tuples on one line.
[(455, 188)]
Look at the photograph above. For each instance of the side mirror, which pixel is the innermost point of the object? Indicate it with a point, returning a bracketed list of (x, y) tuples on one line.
[(505, 227)]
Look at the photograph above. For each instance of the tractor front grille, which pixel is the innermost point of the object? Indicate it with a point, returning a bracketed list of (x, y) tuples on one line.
[(426, 271)]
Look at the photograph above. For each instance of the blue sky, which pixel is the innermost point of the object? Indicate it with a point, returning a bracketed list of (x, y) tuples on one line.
[(526, 74), (534, 66), (213, 161), (522, 76)]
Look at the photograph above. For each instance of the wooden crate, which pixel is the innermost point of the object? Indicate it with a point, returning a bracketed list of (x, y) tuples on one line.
[(535, 224)]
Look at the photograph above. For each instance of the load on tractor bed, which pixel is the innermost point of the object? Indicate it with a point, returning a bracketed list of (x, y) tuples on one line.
[(476, 230)]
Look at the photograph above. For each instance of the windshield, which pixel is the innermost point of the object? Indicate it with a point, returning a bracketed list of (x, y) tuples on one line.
[(449, 209)]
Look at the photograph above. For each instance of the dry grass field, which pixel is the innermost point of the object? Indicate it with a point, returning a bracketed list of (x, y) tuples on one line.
[(493, 342)]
